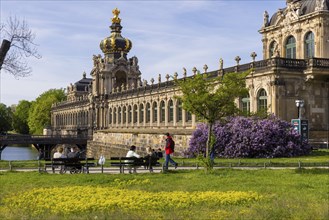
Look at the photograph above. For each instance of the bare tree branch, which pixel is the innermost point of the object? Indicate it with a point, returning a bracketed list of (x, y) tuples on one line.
[(22, 46)]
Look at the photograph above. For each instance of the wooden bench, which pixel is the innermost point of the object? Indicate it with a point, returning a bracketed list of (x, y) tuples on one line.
[(73, 165), (123, 162)]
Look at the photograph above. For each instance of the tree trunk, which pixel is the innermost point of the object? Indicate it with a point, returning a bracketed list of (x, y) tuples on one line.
[(209, 140), (5, 46)]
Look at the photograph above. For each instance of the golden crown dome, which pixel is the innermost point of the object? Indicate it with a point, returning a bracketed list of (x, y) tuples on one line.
[(115, 43)]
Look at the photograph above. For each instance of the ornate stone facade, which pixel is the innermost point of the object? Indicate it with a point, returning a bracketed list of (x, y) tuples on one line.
[(119, 109)]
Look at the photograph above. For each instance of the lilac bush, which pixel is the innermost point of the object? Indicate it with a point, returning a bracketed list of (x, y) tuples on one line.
[(243, 137)]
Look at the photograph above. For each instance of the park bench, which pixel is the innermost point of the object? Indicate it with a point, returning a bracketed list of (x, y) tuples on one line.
[(123, 162), (73, 165)]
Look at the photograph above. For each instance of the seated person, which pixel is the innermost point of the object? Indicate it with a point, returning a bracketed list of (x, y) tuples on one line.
[(159, 153), (74, 153), (150, 158), (58, 153), (132, 153)]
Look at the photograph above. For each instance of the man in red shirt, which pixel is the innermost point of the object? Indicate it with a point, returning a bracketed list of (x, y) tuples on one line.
[(168, 150)]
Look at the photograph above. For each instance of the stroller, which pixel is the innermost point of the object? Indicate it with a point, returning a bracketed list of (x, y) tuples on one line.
[(72, 165)]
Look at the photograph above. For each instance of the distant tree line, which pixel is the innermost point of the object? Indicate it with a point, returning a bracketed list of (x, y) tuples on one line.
[(30, 117)]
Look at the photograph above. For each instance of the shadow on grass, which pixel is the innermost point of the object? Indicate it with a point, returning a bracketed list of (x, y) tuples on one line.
[(312, 171), (319, 153)]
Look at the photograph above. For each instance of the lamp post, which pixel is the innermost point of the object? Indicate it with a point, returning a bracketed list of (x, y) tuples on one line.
[(299, 105)]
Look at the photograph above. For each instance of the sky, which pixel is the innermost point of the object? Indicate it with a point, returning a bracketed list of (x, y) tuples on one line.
[(166, 36)]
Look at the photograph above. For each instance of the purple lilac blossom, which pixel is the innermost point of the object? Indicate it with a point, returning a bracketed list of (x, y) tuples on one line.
[(243, 137)]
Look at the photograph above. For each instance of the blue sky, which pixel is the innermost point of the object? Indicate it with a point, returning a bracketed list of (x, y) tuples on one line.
[(166, 36)]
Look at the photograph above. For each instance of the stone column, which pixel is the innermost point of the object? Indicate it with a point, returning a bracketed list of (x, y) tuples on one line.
[(166, 113), (299, 45), (151, 115), (193, 121), (158, 113), (175, 107)]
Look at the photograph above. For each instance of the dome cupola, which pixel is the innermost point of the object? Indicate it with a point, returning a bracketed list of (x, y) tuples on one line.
[(115, 46)]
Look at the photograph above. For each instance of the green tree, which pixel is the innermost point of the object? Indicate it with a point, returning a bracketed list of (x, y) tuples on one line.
[(212, 99), (5, 118), (39, 113), (21, 115)]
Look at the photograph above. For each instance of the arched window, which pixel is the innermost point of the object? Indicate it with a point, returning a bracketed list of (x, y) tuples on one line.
[(141, 113), (135, 114), (273, 49), (188, 116), (179, 114), (291, 48), (130, 114), (148, 112), (115, 116), (246, 104), (309, 45), (262, 100), (162, 111), (119, 115), (155, 112), (124, 114), (110, 116), (171, 111)]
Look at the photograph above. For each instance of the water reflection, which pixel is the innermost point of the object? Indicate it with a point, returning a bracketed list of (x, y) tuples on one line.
[(19, 153)]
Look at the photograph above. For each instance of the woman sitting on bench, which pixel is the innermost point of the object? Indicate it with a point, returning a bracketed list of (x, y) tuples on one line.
[(132, 153)]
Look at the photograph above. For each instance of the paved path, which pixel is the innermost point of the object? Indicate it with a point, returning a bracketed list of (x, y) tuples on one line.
[(115, 170)]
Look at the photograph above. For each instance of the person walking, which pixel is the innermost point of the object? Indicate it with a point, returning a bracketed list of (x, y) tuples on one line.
[(169, 149)]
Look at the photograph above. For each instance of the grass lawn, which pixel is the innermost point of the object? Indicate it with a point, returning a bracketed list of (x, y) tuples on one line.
[(220, 194), (315, 159)]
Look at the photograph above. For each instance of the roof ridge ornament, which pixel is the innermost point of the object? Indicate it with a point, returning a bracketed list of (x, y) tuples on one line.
[(116, 18)]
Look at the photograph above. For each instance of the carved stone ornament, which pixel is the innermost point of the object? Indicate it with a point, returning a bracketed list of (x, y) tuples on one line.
[(291, 16), (319, 5), (167, 77), (175, 75), (205, 68), (221, 63), (184, 72), (237, 60), (194, 70)]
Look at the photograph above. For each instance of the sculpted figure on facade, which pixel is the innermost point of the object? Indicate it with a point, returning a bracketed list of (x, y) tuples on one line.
[(134, 61), (91, 98), (319, 5), (276, 50), (95, 65), (101, 64), (266, 16)]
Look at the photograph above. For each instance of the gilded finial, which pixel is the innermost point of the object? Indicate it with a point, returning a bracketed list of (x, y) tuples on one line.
[(116, 18)]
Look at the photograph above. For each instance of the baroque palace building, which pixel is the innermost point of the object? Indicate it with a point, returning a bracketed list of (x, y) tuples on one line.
[(117, 109)]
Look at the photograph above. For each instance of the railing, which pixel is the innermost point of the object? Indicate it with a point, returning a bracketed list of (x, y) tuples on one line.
[(10, 139), (318, 62), (262, 64)]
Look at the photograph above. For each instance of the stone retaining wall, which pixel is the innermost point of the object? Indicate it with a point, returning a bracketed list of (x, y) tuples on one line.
[(114, 143)]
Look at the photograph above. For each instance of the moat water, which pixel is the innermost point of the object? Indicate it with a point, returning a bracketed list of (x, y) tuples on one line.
[(19, 153)]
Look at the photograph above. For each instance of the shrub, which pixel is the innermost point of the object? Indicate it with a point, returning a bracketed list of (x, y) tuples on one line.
[(250, 137)]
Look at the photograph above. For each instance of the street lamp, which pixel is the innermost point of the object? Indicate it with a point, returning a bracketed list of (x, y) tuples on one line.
[(300, 105)]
